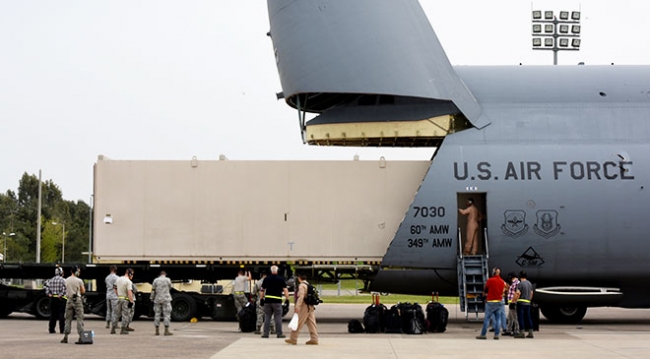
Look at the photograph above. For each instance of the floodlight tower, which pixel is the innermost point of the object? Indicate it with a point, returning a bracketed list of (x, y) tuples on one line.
[(551, 33)]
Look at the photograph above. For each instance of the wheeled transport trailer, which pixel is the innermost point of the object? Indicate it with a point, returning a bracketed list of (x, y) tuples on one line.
[(204, 220)]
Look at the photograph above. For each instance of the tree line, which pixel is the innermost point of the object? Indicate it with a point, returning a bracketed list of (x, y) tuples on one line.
[(18, 224)]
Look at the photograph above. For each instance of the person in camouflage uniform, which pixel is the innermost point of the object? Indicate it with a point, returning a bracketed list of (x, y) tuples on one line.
[(124, 288), (74, 287), (132, 309), (111, 296), (162, 301)]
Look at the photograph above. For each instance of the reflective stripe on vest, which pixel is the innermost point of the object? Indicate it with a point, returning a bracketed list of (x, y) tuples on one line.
[(523, 300), (494, 301), (123, 298), (272, 297)]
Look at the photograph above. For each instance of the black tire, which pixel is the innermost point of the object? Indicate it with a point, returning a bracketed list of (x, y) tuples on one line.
[(564, 315), (183, 307), (42, 308)]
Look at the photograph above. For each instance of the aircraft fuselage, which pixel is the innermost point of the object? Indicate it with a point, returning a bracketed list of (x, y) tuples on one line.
[(560, 178)]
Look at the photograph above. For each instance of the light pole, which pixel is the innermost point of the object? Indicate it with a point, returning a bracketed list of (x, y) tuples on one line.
[(62, 242), (4, 256), (554, 34)]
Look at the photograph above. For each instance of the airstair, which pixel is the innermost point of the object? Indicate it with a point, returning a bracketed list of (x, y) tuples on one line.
[(472, 274)]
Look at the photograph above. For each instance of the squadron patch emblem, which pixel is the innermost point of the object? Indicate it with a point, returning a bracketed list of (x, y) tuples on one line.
[(514, 224), (547, 225)]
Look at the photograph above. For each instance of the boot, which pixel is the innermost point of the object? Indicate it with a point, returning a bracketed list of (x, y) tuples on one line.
[(157, 331), (129, 329), (311, 342), (167, 332), (108, 325), (530, 334), (123, 331), (258, 330), (64, 340), (520, 335), (113, 330)]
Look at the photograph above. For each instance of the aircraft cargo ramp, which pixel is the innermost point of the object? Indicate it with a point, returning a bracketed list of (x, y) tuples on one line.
[(247, 211)]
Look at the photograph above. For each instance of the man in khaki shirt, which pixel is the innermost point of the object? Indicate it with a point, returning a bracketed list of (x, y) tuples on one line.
[(125, 301), (74, 307)]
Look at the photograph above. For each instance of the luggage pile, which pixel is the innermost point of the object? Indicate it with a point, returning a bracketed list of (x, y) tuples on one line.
[(405, 318)]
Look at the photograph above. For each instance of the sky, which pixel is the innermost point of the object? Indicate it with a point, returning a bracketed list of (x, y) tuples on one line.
[(169, 80)]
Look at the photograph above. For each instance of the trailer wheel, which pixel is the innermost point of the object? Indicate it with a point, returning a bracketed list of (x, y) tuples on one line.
[(42, 308), (183, 307)]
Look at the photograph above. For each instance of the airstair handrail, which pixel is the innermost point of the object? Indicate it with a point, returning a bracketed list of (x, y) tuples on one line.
[(460, 244), (485, 237)]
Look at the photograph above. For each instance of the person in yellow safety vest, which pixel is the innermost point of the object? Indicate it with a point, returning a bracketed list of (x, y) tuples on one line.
[(239, 289), (74, 289), (124, 291), (56, 291), (513, 322), (493, 289), (524, 296), (273, 288), (260, 308)]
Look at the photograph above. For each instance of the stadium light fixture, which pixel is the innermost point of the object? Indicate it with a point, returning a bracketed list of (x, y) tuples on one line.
[(556, 33)]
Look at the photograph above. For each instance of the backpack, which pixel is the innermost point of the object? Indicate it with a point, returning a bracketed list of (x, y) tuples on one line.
[(413, 321), (354, 326), (373, 318), (312, 297), (393, 320)]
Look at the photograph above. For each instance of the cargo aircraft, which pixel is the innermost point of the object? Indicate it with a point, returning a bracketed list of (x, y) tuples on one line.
[(554, 157)]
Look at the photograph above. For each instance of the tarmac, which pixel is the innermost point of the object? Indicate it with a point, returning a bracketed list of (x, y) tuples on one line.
[(604, 333)]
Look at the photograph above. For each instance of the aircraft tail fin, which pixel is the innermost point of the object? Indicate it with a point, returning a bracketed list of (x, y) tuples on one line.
[(364, 54)]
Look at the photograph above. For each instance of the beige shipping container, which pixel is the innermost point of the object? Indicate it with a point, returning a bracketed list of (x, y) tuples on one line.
[(250, 210)]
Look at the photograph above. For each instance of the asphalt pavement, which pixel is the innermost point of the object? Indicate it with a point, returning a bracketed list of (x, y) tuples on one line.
[(604, 333)]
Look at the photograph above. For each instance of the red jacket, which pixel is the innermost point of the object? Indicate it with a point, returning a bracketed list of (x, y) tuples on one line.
[(494, 288)]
